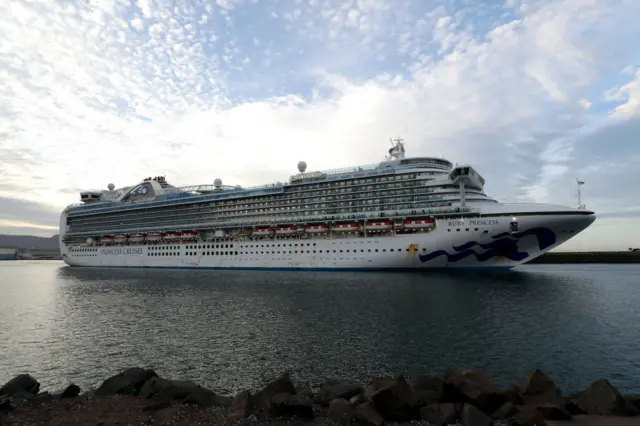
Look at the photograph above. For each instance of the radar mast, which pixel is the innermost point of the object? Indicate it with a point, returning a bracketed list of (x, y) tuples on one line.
[(396, 152)]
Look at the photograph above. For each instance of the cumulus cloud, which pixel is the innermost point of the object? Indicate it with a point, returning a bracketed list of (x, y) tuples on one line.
[(116, 91)]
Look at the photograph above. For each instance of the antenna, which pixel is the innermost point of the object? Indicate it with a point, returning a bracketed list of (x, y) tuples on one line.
[(396, 152), (580, 183)]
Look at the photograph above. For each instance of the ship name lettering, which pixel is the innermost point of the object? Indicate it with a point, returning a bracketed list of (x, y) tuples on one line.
[(122, 251), (483, 222)]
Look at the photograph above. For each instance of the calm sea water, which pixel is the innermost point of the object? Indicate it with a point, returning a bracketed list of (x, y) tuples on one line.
[(230, 330)]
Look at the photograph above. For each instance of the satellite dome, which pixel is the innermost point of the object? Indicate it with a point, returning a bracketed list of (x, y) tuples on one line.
[(238, 187), (111, 187), (217, 183), (302, 166)]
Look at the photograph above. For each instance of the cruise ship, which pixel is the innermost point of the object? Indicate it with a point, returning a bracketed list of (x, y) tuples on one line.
[(404, 213)]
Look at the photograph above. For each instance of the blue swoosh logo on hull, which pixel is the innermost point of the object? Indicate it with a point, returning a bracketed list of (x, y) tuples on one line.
[(503, 245)]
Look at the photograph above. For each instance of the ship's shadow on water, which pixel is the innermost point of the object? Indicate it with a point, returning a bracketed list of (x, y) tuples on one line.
[(230, 329)]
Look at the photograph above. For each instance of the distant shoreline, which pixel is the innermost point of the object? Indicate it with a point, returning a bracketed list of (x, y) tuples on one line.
[(619, 257)]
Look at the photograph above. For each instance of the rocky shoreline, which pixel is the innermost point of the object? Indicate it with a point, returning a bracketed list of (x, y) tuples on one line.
[(138, 396)]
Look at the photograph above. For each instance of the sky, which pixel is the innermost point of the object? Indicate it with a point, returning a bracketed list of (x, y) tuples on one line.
[(533, 93)]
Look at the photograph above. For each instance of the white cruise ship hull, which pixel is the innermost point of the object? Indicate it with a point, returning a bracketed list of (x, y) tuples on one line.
[(454, 243)]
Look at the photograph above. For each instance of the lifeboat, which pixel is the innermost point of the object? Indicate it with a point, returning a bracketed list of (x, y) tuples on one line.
[(154, 236), (189, 235), (286, 230), (379, 225), (136, 238), (120, 238), (261, 232), (345, 227), (172, 236), (317, 229), (418, 224), (106, 239)]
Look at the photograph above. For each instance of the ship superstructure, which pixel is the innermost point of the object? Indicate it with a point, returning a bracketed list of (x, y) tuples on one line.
[(402, 213)]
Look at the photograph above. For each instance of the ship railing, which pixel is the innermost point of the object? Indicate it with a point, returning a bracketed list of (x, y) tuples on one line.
[(280, 220)]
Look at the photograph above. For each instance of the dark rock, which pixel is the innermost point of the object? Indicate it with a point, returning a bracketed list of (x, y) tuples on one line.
[(553, 412), (43, 397), (184, 391), (335, 389), (539, 389), (127, 382), (506, 411), (22, 383), (479, 379), (70, 391), (241, 405), (397, 401), (282, 384), (602, 398), (511, 394), (529, 416), (472, 416), (366, 414), (156, 406), (470, 388), (630, 406), (439, 414), (573, 408), (6, 405), (341, 411), (358, 399), (304, 391), (286, 404), (376, 384), (21, 398), (428, 388)]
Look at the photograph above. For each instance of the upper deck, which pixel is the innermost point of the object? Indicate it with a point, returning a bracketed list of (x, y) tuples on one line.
[(156, 192)]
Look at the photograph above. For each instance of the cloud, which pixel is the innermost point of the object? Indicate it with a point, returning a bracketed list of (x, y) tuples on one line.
[(118, 93)]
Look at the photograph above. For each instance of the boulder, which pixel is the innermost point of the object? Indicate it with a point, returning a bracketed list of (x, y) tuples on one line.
[(366, 414), (305, 391), (241, 405), (439, 414), (396, 401), (553, 412), (428, 389), (506, 411), (573, 408), (336, 389), (528, 416), (22, 383), (341, 411), (70, 391), (184, 391), (631, 407), (511, 394), (538, 388), (128, 382), (472, 416), (602, 398), (157, 406), (286, 404), (6, 405), (469, 387), (282, 384)]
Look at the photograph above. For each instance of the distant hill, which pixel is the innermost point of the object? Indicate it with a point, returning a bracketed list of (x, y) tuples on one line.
[(28, 241)]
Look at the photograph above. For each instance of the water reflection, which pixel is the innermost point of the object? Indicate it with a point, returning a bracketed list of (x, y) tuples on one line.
[(229, 329)]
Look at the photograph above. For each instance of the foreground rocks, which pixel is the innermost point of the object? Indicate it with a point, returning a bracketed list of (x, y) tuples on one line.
[(469, 398)]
